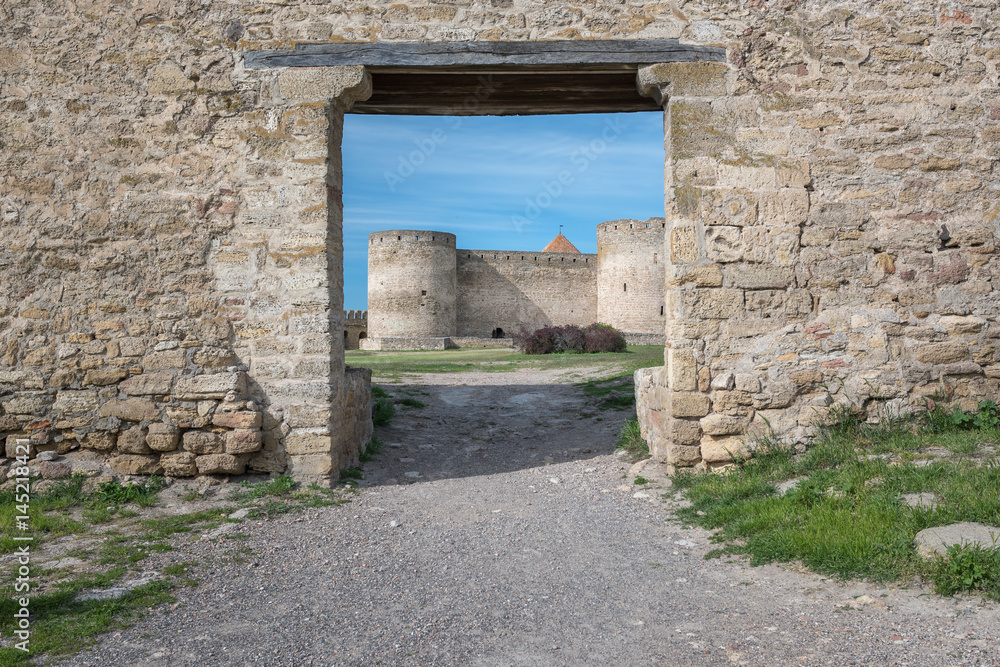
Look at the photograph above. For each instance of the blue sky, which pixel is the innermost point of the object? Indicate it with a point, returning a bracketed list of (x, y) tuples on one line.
[(497, 183)]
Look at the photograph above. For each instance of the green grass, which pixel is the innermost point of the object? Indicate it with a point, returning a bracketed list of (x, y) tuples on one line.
[(397, 364), (62, 625), (373, 447), (631, 440), (845, 516), (411, 402), (384, 410)]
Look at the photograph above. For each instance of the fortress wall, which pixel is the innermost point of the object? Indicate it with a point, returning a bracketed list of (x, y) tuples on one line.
[(167, 214), (631, 279), (355, 328), (411, 284), (510, 289)]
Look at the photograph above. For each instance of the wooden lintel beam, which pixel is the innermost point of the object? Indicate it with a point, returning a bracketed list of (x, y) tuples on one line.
[(476, 54)]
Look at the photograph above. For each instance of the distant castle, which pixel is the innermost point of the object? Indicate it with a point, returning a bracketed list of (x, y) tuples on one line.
[(425, 293)]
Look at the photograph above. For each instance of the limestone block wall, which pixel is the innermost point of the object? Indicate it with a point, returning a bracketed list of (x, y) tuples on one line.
[(169, 222), (411, 284), (832, 224), (831, 209), (631, 278), (355, 328), (509, 289)]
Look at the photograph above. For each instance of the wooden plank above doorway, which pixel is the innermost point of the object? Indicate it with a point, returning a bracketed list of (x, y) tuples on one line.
[(496, 78)]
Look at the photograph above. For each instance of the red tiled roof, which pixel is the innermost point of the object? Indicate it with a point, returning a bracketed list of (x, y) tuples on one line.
[(560, 244)]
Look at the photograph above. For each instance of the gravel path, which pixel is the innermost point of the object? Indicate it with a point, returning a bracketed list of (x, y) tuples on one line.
[(497, 527)]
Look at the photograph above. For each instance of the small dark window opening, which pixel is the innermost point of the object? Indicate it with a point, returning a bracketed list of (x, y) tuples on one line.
[(362, 335), (399, 238), (661, 311), (625, 287), (498, 333), (423, 292)]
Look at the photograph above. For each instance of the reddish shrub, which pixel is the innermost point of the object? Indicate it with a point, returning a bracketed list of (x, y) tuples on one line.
[(570, 338)]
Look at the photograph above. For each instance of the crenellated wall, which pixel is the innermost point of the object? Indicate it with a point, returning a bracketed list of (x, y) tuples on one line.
[(510, 290), (630, 282)]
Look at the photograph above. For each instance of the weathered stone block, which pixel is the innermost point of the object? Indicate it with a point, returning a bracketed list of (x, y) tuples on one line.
[(958, 325), (164, 360), (726, 448), (786, 206), (942, 353), (162, 437), (220, 464), (720, 424), (130, 409), (213, 386), (763, 142), (99, 441), (203, 442), (315, 466), (682, 369), (73, 402), (133, 441), (747, 276), (682, 79), (710, 304), (724, 244), (243, 441), (683, 456), (102, 378), (267, 462), (300, 443), (136, 464), (243, 419), (148, 384), (683, 245), (683, 432), (168, 79), (325, 84), (702, 275), (178, 464), (689, 405)]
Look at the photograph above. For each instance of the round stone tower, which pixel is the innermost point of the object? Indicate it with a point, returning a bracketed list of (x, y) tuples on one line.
[(411, 284), (630, 275)]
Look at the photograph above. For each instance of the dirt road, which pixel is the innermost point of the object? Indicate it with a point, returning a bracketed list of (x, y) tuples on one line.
[(498, 527)]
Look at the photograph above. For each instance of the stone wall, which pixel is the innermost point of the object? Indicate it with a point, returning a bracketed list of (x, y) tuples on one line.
[(411, 284), (831, 209), (832, 223), (510, 290), (355, 328), (631, 277)]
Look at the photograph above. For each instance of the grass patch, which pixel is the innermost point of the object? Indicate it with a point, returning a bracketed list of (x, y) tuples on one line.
[(398, 364), (845, 516), (62, 625), (373, 447), (411, 402), (631, 441), (383, 411)]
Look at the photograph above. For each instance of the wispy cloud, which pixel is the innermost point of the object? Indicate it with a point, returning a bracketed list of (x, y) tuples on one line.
[(477, 179)]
